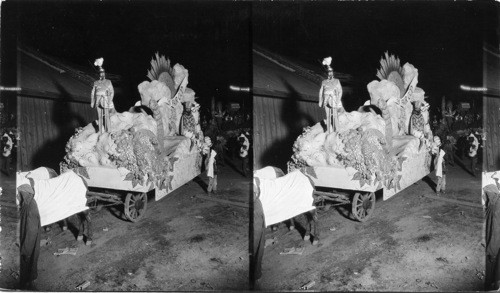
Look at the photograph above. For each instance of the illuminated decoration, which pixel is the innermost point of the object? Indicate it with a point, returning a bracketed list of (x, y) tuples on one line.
[(473, 89), (239, 89), (14, 89)]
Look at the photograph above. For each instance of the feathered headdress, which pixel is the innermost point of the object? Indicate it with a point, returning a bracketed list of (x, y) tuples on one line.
[(388, 65), (327, 62), (98, 62), (159, 64), (390, 69), (162, 71)]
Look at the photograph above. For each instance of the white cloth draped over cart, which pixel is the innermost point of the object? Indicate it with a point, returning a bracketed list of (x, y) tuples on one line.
[(38, 174), (268, 173), (59, 197), (285, 197)]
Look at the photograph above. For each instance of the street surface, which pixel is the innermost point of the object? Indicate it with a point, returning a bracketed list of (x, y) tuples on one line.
[(411, 243), (182, 243)]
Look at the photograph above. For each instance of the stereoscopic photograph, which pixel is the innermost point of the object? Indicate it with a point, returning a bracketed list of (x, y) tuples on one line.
[(250, 145)]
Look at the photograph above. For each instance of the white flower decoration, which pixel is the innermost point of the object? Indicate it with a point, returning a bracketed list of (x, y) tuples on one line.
[(327, 61), (99, 62)]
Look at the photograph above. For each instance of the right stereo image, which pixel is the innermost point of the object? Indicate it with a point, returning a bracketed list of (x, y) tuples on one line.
[(375, 146)]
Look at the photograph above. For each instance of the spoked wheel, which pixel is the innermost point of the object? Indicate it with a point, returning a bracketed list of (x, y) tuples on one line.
[(363, 205), (135, 206)]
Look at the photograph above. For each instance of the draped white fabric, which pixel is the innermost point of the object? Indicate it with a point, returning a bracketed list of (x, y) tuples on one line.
[(211, 162), (439, 164), (285, 197), (60, 197)]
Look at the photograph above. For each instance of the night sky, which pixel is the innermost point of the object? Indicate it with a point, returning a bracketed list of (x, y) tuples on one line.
[(443, 40), (210, 39)]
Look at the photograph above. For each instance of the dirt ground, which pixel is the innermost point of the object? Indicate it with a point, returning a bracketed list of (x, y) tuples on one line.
[(9, 218), (183, 243), (411, 243)]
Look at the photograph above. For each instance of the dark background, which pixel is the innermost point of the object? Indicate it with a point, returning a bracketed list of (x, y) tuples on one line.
[(211, 39), (442, 39)]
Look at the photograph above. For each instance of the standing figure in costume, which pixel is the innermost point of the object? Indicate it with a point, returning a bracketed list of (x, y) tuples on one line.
[(7, 144), (440, 164), (259, 225), (205, 151), (492, 273), (244, 148), (277, 198), (435, 148), (330, 96), (449, 114), (212, 173), (473, 148), (417, 121), (30, 236), (188, 123), (102, 97), (418, 126)]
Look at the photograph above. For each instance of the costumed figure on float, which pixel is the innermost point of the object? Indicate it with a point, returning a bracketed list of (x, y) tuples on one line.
[(157, 144), (367, 151), (330, 95), (102, 97)]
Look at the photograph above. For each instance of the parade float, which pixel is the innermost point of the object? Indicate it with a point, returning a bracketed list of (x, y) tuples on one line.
[(367, 151), (156, 146)]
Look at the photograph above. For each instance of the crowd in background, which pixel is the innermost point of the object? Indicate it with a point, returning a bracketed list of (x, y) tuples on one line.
[(8, 141), (230, 134), (461, 133)]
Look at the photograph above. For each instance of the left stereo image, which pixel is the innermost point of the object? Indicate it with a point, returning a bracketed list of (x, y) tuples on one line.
[(126, 140)]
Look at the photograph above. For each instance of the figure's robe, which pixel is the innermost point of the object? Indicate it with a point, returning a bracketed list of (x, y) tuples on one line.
[(492, 277)]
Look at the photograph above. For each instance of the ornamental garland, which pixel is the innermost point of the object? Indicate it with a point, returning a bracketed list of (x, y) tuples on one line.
[(67, 163), (298, 161), (138, 152), (364, 151)]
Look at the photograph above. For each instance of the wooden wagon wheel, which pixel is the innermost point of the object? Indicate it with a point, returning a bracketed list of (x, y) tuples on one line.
[(363, 205), (135, 206)]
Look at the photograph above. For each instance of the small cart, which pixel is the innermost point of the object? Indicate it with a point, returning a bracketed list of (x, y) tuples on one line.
[(336, 184), (107, 184)]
